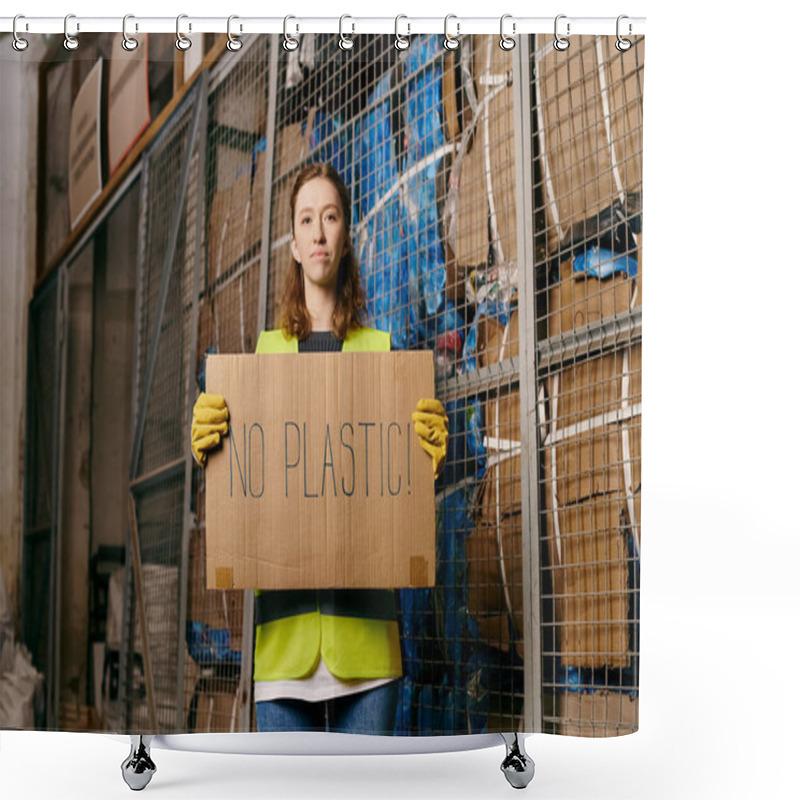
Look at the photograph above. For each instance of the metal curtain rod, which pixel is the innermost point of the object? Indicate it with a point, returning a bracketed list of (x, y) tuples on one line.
[(455, 25)]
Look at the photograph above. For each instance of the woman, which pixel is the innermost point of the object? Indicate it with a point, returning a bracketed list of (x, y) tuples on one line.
[(324, 660)]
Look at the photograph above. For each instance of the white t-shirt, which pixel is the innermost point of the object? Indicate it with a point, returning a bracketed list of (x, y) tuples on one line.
[(321, 685)]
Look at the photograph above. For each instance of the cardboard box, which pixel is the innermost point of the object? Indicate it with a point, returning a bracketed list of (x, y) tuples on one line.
[(495, 577), (597, 714), (236, 327), (589, 568), (216, 712), (292, 144), (472, 219), (578, 300), (255, 216), (495, 343), (85, 164), (217, 227), (586, 450), (492, 72), (233, 240), (128, 99), (219, 610), (321, 482), (583, 175)]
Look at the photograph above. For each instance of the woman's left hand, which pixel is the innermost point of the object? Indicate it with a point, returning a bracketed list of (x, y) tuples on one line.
[(431, 426)]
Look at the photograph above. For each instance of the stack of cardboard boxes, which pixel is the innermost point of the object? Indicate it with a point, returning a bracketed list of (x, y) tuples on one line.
[(589, 435), (485, 180)]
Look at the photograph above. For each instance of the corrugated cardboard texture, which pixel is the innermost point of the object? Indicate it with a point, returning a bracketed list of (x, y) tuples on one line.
[(579, 300), (321, 482), (492, 70), (589, 456), (217, 228), (576, 143), (495, 562), (233, 241), (598, 714), (589, 571)]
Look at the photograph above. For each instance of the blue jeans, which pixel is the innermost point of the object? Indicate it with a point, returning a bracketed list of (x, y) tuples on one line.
[(372, 711)]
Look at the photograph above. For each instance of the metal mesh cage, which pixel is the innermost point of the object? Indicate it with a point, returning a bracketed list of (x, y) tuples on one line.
[(166, 323), (587, 120), (496, 222)]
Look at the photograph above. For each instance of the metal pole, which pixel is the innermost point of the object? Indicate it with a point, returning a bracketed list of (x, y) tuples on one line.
[(529, 463), (188, 522), (248, 620), (162, 297)]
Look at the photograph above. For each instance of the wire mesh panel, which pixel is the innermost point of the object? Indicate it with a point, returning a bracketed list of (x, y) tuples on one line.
[(587, 123), (424, 141), (173, 207), (228, 323), (40, 539)]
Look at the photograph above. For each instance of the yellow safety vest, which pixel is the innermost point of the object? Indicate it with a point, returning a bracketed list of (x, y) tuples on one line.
[(354, 631)]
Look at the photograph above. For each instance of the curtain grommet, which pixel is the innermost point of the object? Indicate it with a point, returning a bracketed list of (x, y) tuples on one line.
[(401, 42), (623, 45), (18, 43), (182, 42), (506, 41), (70, 42), (560, 42), (234, 43), (290, 43), (451, 42)]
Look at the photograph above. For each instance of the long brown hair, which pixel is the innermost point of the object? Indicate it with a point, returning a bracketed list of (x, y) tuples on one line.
[(350, 298)]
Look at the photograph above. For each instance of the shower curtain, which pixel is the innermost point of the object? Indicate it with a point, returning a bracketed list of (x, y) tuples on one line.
[(496, 222)]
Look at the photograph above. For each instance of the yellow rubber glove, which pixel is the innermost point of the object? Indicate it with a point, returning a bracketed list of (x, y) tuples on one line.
[(209, 423), (431, 426)]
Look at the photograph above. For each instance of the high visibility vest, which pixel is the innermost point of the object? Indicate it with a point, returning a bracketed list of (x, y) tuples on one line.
[(355, 630)]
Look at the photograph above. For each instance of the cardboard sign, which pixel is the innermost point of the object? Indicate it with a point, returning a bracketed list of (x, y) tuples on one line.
[(85, 176), (321, 482), (128, 100)]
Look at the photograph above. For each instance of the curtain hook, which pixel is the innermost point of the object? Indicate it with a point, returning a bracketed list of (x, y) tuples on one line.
[(289, 42), (506, 41), (128, 42), (70, 42), (18, 43), (451, 42), (623, 44), (561, 42), (182, 42), (345, 42), (234, 42), (401, 42)]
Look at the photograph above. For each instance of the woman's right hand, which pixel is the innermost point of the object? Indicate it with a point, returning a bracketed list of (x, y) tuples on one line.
[(209, 424)]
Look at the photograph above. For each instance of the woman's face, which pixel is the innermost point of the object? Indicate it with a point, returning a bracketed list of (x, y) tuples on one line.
[(320, 239)]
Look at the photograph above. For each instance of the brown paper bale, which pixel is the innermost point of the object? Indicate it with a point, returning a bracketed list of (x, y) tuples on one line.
[(589, 568), (578, 300), (217, 222), (576, 144), (598, 714)]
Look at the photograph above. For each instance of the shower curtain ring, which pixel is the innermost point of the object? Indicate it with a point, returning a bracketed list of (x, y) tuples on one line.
[(345, 42), (561, 42), (401, 42), (451, 42), (182, 42), (70, 42), (234, 42), (128, 42), (18, 43), (623, 44), (506, 41), (289, 42)]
